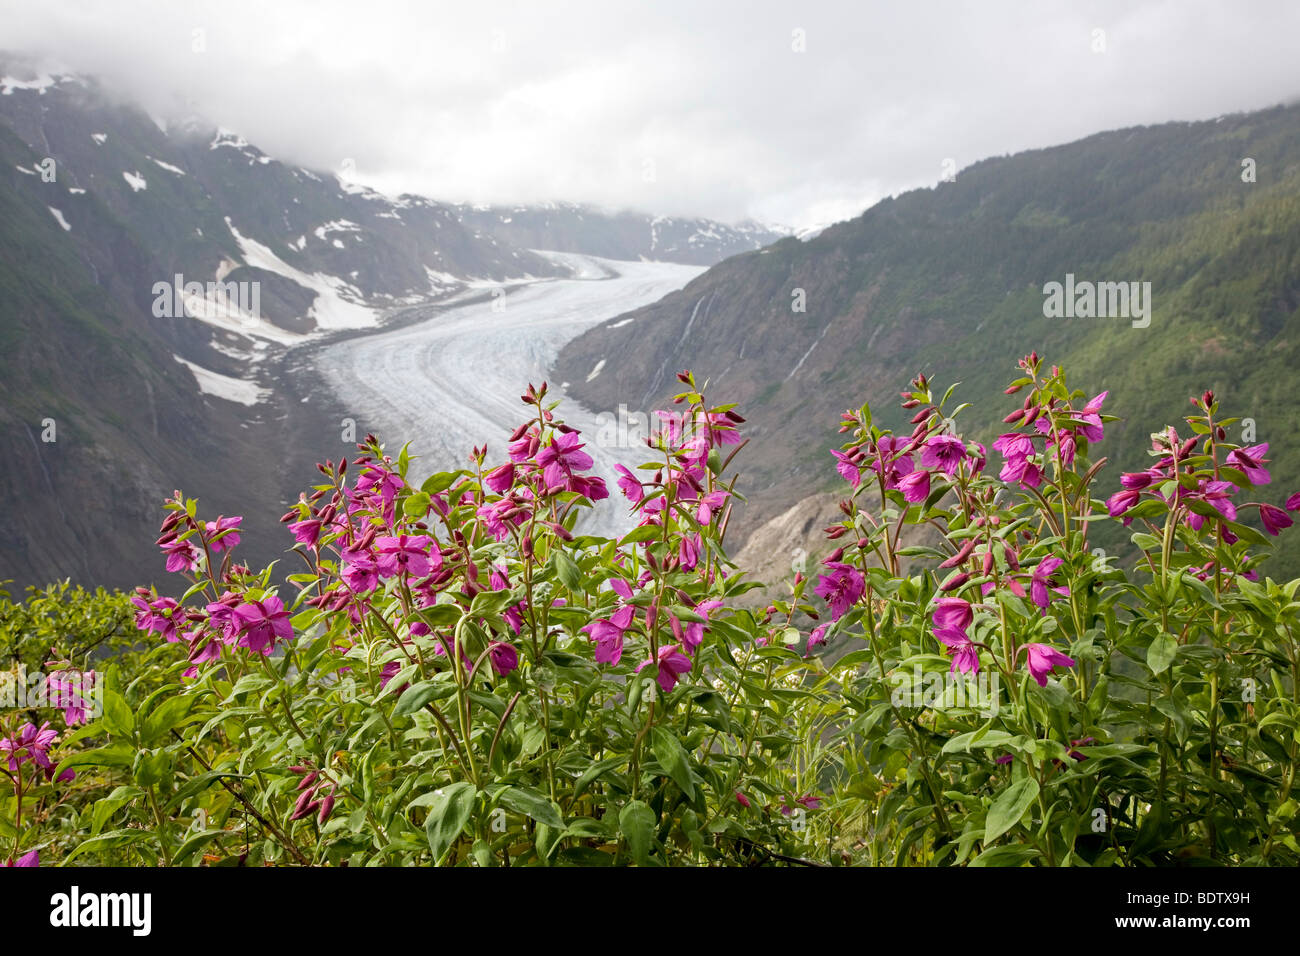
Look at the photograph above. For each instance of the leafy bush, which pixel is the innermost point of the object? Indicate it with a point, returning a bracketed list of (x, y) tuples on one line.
[(459, 675)]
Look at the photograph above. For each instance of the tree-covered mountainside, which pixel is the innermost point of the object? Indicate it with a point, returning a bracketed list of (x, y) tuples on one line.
[(950, 281)]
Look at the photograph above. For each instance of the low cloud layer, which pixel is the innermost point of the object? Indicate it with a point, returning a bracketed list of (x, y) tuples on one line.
[(791, 112)]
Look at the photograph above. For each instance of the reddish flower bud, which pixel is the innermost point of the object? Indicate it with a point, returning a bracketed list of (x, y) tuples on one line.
[(962, 554), (326, 808)]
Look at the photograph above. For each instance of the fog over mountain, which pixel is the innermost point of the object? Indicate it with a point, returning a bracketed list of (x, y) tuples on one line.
[(785, 112)]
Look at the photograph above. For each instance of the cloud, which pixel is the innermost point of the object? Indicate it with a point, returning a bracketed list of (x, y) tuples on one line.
[(676, 107)]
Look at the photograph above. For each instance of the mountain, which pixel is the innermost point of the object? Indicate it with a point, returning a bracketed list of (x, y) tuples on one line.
[(626, 235), (153, 276), (950, 281)]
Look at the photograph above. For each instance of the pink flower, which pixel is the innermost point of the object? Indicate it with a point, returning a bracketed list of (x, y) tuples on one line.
[(1122, 501), (500, 479), (589, 486), (181, 556), (1137, 480), (632, 489), (1275, 519), (672, 664), (407, 555), (223, 533), (1021, 471), (952, 612), (965, 655), (561, 458), (360, 573), (388, 673), (693, 632), (1216, 494), (710, 503), (261, 622), (1041, 658), (159, 616), (1041, 581), (848, 469), (945, 452), (817, 637), (688, 551), (915, 486), (1293, 503), (66, 694), (1091, 418), (1251, 460), (607, 633), (221, 615), (307, 531), (503, 656), (495, 520), (33, 743), (380, 481), (891, 462), (841, 589), (1014, 445), (28, 859)]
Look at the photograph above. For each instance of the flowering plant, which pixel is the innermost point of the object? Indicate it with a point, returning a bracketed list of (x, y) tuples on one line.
[(457, 674)]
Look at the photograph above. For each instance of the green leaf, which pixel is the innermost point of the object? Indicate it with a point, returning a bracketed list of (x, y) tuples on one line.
[(109, 805), (164, 717), (1013, 855), (193, 844), (590, 775), (672, 755), (109, 841), (118, 719), (448, 816), (416, 505), (567, 571), (414, 698), (647, 532), (1009, 807), (200, 783), (1161, 653), (637, 821), (532, 804)]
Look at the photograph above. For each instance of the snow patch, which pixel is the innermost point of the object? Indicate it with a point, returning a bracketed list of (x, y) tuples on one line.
[(225, 137), (59, 216), (136, 181), (100, 138), (338, 304), (596, 371), (168, 166), (619, 324), (38, 85), (224, 386)]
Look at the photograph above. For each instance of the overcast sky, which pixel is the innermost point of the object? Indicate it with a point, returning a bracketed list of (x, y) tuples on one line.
[(790, 112)]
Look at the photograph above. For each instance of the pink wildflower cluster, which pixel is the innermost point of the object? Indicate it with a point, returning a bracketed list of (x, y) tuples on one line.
[(1201, 484)]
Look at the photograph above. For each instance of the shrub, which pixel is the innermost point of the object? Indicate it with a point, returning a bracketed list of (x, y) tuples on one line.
[(459, 675)]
